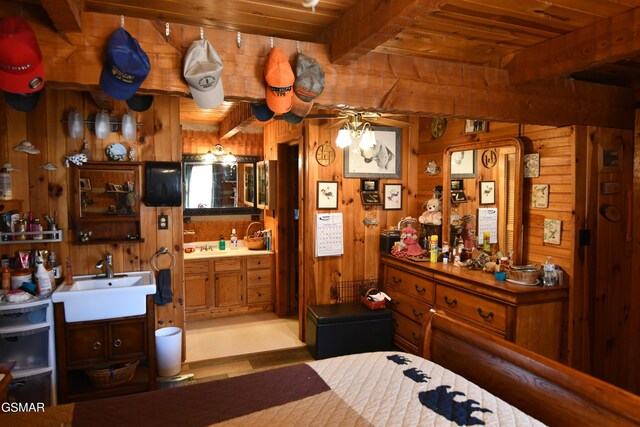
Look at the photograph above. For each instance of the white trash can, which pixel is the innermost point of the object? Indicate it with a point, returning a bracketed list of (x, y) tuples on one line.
[(169, 351)]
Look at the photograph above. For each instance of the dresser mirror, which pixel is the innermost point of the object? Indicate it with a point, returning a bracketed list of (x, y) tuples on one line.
[(482, 191), (218, 188)]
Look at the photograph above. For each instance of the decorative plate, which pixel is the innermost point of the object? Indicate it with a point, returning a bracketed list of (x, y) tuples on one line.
[(438, 126), (325, 155), (116, 152)]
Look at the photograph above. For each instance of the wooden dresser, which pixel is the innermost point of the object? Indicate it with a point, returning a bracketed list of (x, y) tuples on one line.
[(530, 316)]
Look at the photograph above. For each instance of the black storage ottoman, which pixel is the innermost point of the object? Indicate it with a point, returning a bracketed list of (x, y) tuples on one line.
[(347, 328)]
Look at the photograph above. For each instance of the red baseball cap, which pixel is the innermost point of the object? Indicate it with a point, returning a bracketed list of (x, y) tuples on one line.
[(21, 67)]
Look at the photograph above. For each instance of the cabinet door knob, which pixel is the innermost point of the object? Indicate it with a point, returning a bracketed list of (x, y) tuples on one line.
[(450, 303), (97, 345), (117, 343)]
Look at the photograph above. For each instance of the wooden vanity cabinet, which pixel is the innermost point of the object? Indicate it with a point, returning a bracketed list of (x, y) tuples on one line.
[(530, 316), (222, 286), (102, 343)]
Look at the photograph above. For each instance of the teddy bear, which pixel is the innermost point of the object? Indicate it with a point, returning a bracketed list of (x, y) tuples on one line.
[(433, 213)]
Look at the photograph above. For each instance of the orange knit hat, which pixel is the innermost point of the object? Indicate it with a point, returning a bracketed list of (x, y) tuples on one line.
[(279, 77)]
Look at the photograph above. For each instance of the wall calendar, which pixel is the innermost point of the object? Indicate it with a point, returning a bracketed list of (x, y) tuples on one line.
[(329, 234)]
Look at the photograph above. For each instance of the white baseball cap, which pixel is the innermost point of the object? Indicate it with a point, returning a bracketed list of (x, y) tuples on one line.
[(203, 72)]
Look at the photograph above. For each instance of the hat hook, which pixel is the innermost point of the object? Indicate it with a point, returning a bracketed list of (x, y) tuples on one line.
[(167, 31), (239, 40), (121, 21), (202, 33), (271, 42)]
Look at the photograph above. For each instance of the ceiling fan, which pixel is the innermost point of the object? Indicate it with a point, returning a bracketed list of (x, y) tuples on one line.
[(355, 118)]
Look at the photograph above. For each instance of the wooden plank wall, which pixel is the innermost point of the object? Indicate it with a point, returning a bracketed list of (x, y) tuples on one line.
[(158, 139), (634, 215)]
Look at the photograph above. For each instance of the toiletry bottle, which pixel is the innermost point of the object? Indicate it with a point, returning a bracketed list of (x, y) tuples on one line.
[(42, 276), (486, 237), (434, 249), (56, 268), (234, 239), (6, 278), (221, 244), (550, 277)]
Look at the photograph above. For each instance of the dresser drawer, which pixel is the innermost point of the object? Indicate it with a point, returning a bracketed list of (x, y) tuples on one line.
[(258, 277), (407, 306), (406, 329), (258, 261), (476, 309), (259, 294), (228, 264), (192, 267), (410, 284)]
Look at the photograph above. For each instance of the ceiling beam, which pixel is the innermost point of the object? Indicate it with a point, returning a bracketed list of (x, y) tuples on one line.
[(376, 82), (368, 24), (604, 42), (66, 15), (239, 117)]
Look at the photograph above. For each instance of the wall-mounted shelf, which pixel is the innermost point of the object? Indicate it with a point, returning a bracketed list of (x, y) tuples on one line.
[(50, 236)]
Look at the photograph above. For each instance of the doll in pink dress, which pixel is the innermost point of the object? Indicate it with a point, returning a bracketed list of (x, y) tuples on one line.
[(409, 245)]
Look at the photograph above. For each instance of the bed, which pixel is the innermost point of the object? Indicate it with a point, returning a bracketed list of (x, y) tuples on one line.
[(383, 388)]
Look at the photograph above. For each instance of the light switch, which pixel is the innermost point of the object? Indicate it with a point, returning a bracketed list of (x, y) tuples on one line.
[(163, 222)]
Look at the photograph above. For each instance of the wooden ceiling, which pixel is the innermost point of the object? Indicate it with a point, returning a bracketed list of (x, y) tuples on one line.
[(592, 40)]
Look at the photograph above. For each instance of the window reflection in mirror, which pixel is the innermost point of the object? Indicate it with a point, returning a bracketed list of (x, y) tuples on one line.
[(212, 188), (483, 192)]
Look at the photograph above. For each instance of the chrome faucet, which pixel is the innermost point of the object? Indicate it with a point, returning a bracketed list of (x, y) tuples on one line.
[(107, 263)]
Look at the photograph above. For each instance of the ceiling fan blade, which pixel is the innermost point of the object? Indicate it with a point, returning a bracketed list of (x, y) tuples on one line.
[(325, 116), (385, 121), (336, 124)]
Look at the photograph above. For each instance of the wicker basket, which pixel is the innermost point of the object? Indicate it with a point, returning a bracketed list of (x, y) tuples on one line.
[(254, 243), (524, 274), (372, 305), (112, 376)]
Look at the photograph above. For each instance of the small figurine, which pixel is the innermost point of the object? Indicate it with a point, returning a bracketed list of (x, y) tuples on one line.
[(76, 159), (432, 168), (433, 213), (408, 244)]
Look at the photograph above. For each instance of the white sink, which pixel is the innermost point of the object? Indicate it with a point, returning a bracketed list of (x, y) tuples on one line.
[(97, 298)]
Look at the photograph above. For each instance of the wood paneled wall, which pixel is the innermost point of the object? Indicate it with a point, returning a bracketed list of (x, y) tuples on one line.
[(44, 191), (242, 144)]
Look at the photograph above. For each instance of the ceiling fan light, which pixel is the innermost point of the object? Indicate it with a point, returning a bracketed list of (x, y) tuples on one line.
[(228, 159), (368, 139), (209, 157), (344, 138)]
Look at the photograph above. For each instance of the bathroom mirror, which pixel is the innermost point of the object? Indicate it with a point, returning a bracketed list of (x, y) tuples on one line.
[(483, 183), (217, 188)]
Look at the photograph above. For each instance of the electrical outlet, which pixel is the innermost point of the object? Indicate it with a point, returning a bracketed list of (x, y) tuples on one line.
[(163, 222)]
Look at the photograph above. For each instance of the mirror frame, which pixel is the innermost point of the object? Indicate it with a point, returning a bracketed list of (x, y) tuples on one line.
[(518, 190), (244, 210)]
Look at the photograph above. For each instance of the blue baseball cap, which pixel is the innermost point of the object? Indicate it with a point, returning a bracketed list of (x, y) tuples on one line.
[(126, 68), (262, 112)]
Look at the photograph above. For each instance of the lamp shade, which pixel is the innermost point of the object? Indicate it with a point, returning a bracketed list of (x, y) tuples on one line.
[(75, 124), (102, 125), (129, 126), (344, 138)]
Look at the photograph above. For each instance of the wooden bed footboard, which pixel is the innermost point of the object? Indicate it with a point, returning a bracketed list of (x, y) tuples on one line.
[(543, 388)]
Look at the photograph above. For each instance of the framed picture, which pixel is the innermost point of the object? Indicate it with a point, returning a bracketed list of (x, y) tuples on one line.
[(475, 126), (532, 165), (392, 196), (610, 159), (380, 161), (458, 197), (327, 195), (463, 164), (457, 185), (371, 198), (552, 231), (540, 196), (85, 184), (369, 185), (487, 192)]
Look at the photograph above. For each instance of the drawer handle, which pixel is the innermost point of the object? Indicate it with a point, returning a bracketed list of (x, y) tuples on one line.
[(485, 316), (450, 303), (417, 315), (117, 343), (420, 291), (97, 345), (395, 302), (396, 280), (416, 338)]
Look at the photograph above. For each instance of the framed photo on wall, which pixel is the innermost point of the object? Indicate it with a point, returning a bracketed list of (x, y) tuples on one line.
[(475, 126), (327, 195), (371, 198), (392, 196), (487, 192), (380, 161), (463, 164), (369, 185)]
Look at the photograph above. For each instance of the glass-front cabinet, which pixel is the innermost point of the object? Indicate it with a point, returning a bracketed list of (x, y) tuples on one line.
[(106, 202)]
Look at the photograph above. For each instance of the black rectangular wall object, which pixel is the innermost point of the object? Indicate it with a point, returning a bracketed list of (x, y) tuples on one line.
[(162, 184)]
